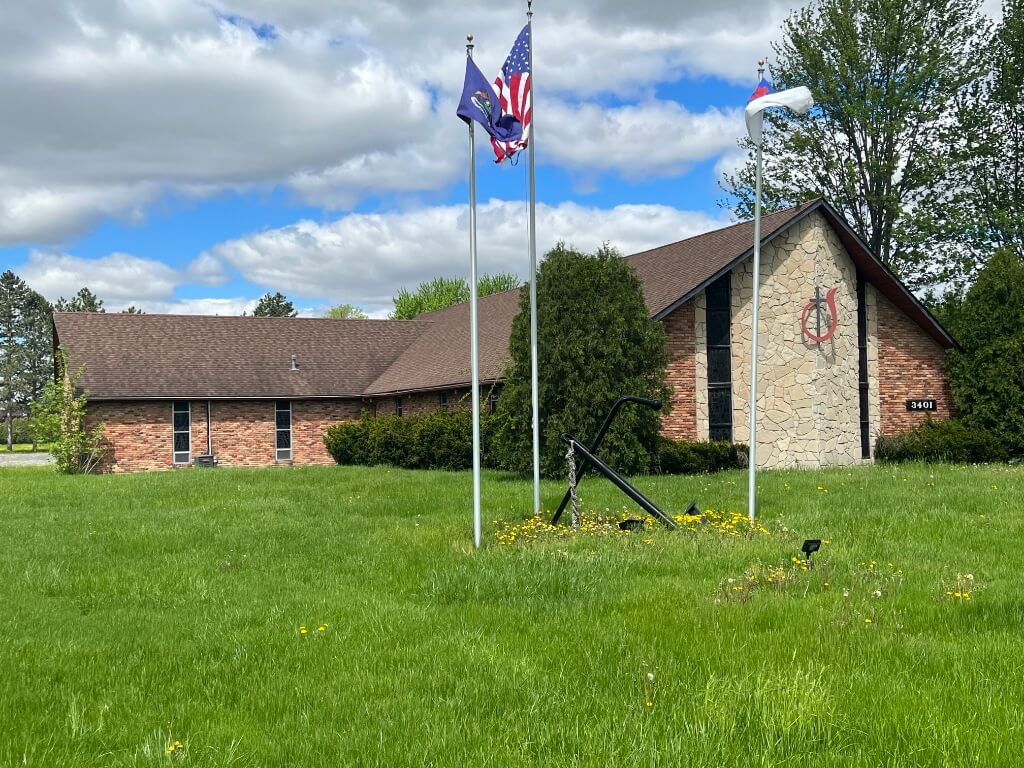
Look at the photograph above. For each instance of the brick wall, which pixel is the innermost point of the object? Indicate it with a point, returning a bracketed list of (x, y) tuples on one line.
[(681, 421), (911, 366), (243, 432), (417, 403)]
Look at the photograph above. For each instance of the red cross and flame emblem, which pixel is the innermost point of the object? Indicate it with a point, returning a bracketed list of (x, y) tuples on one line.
[(822, 308)]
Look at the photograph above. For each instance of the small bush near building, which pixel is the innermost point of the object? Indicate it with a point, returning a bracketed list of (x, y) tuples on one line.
[(947, 441), (436, 440), (681, 457)]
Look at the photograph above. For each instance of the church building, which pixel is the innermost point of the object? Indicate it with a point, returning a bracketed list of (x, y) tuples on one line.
[(846, 353)]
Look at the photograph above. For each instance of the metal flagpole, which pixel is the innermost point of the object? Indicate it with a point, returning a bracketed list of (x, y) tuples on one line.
[(534, 390), (474, 361), (752, 457)]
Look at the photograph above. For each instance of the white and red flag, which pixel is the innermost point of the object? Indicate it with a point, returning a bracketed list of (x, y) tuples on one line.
[(797, 99)]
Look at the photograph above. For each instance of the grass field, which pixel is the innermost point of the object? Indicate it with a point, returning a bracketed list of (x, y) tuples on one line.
[(26, 447), (145, 612)]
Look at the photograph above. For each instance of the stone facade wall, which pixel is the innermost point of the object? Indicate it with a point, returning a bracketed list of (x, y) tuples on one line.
[(243, 432), (808, 408), (681, 421), (911, 367)]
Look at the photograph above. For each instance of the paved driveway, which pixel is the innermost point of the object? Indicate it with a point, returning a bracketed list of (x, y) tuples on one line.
[(24, 459)]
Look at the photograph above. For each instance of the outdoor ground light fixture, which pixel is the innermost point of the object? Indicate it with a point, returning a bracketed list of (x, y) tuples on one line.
[(809, 548)]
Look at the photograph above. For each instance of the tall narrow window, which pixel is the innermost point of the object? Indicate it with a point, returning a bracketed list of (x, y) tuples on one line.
[(719, 360), (283, 422), (443, 401), (492, 401), (181, 424), (862, 348), (398, 406)]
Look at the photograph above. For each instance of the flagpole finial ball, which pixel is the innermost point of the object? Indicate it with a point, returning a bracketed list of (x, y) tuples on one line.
[(469, 37)]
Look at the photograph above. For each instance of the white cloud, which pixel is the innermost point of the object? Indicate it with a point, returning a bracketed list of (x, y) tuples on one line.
[(119, 279), (206, 270), (232, 306), (364, 259), (654, 138), (47, 214)]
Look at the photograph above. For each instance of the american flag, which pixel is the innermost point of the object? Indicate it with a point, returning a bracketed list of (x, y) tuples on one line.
[(515, 94)]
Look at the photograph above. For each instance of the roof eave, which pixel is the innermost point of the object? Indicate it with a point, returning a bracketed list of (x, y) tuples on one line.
[(765, 239)]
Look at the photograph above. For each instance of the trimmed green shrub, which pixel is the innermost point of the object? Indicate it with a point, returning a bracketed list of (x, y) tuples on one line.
[(682, 457), (436, 440), (389, 440), (346, 442), (945, 441)]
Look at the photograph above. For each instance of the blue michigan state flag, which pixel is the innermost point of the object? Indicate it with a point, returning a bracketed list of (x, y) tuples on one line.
[(479, 103)]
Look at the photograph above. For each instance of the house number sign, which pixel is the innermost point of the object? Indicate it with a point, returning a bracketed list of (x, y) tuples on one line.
[(921, 405)]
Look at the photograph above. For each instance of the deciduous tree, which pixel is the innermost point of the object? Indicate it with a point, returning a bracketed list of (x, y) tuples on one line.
[(442, 292), (887, 77), (346, 312)]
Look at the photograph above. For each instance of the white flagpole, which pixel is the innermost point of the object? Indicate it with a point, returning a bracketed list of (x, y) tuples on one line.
[(534, 390), (473, 350), (752, 457)]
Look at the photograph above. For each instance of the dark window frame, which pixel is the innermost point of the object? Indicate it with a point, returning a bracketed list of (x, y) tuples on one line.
[(492, 401), (398, 406), (718, 317), (178, 408), (862, 368), (282, 453), (443, 401)]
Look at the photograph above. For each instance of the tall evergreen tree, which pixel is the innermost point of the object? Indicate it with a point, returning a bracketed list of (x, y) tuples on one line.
[(598, 344), (38, 349), (13, 357), (274, 305), (83, 301), (886, 77)]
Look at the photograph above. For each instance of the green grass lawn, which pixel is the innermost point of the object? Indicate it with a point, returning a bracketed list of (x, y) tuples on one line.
[(27, 447), (140, 611)]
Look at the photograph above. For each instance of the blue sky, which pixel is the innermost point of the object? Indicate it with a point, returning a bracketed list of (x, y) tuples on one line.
[(187, 156)]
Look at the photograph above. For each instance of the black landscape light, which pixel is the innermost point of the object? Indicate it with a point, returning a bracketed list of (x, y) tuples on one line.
[(809, 548), (693, 510), (632, 524)]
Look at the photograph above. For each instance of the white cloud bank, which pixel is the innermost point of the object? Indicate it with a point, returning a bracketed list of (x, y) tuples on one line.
[(364, 259)]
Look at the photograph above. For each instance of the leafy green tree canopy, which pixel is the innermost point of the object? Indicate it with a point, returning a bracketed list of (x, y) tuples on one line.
[(989, 201), (274, 305), (886, 76), (988, 376), (443, 292), (346, 312), (597, 343), (59, 416), (83, 301)]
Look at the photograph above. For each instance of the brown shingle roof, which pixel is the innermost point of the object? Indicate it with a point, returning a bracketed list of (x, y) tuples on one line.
[(440, 357), (672, 273), (179, 356), (166, 356)]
